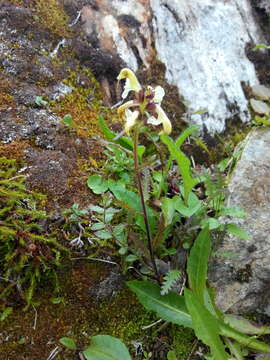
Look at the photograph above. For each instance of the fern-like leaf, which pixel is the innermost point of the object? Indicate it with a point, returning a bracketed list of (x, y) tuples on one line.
[(169, 281)]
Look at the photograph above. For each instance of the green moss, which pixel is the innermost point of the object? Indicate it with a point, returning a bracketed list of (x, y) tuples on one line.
[(182, 341), (84, 103)]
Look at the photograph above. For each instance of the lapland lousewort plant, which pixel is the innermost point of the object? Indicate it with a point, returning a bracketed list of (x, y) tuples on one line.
[(145, 105), (146, 110)]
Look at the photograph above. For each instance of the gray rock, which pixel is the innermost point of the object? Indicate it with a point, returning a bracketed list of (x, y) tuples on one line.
[(260, 107), (242, 280), (108, 287)]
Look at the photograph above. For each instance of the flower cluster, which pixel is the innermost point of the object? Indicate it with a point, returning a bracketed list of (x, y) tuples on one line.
[(145, 106)]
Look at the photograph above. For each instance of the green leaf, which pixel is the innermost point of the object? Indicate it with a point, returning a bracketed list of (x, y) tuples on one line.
[(170, 307), (168, 209), (110, 135), (98, 226), (184, 166), (97, 184), (105, 347), (103, 234), (40, 102), (237, 231), (206, 326), (67, 120), (211, 223), (169, 280), (236, 212), (5, 313), (198, 263), (261, 46), (171, 355), (68, 342), (245, 326), (193, 205), (57, 300)]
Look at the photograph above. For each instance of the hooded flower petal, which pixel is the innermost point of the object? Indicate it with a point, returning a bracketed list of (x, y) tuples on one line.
[(131, 117), (132, 83), (164, 120), (159, 94)]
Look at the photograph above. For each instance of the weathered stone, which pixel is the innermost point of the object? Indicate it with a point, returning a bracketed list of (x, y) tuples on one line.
[(259, 107), (108, 287), (242, 281), (260, 91)]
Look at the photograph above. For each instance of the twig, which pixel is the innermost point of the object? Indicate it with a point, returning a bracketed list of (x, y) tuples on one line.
[(151, 325), (95, 259), (35, 320), (54, 353), (195, 344)]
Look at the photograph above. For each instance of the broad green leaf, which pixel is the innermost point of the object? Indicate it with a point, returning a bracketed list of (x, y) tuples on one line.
[(193, 205), (168, 209), (97, 184), (261, 46), (171, 355), (245, 326), (198, 263), (206, 326), (68, 342), (236, 212), (237, 231), (184, 166), (170, 307), (103, 234), (134, 202), (98, 226), (105, 347), (110, 135)]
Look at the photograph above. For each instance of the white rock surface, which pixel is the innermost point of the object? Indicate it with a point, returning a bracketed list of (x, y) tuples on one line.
[(260, 107), (242, 280), (202, 44)]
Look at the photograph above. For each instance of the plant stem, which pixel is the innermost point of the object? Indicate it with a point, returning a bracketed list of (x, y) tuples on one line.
[(139, 183)]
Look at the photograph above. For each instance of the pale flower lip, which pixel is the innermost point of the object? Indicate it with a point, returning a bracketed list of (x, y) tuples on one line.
[(132, 83), (162, 119), (131, 117)]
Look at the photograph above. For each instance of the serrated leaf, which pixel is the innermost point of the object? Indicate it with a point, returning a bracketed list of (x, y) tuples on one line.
[(68, 342), (206, 326), (169, 281), (170, 307), (198, 263), (237, 231), (168, 209), (97, 184), (105, 347)]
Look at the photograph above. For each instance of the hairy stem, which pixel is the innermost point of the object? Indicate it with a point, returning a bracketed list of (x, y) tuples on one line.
[(139, 183)]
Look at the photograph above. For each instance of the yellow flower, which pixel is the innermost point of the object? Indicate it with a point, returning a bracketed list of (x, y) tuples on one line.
[(131, 117), (161, 119), (132, 83)]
